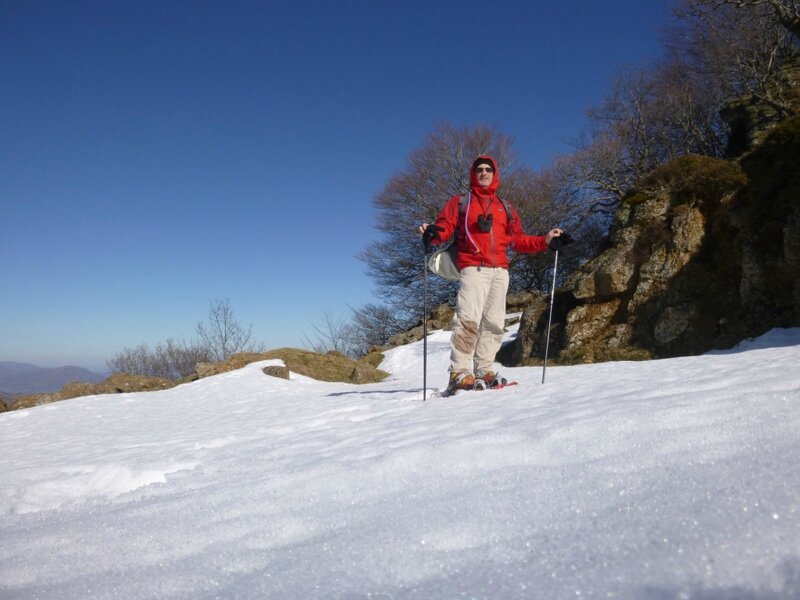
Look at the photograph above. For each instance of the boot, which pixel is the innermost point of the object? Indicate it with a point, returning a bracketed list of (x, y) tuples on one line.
[(460, 381)]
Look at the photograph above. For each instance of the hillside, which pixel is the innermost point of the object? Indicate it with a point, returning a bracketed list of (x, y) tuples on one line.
[(669, 478), (17, 379)]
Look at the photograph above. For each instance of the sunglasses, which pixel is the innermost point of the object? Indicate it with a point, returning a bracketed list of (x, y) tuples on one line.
[(484, 170)]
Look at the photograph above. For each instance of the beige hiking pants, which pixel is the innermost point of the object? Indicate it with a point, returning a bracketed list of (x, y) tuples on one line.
[(479, 319)]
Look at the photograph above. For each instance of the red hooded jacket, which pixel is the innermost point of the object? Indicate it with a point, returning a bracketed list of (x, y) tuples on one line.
[(486, 249)]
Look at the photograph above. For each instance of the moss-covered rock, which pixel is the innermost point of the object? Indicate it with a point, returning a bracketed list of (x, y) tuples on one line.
[(331, 366), (327, 367), (695, 179)]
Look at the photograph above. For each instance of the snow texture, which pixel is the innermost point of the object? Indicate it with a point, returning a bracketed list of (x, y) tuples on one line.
[(668, 479)]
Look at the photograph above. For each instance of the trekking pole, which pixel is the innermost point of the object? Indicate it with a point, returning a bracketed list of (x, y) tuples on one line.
[(425, 327), (550, 318)]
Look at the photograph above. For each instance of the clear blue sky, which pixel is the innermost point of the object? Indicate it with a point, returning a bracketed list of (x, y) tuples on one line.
[(158, 154)]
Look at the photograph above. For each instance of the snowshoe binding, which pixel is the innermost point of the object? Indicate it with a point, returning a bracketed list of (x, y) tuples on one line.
[(490, 379)]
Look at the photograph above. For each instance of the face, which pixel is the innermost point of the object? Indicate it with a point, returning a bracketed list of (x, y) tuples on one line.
[(484, 174)]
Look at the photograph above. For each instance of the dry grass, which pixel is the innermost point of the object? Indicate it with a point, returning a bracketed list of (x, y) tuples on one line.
[(328, 367)]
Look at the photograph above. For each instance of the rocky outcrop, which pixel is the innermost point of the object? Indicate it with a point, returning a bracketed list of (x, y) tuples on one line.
[(704, 254)]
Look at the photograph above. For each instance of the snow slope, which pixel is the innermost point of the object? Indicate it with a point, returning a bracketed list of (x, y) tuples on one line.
[(664, 479)]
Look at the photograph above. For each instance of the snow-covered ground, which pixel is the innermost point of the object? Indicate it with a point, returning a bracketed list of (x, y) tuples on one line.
[(670, 479)]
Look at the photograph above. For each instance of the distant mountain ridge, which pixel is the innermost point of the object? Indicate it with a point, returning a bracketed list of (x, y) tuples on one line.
[(17, 379)]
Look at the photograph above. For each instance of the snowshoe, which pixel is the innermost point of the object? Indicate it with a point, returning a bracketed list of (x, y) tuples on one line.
[(461, 382)]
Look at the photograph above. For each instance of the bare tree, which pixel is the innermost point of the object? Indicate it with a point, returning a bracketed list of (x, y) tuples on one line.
[(544, 200), (333, 334), (223, 335), (170, 360), (784, 12), (182, 357), (219, 337), (648, 118), (740, 47), (718, 51), (372, 326), (136, 361)]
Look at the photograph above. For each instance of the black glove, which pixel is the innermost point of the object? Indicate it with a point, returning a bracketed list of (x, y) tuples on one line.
[(558, 243), (431, 233)]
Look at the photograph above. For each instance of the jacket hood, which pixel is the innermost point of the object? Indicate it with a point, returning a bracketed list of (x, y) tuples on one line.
[(473, 179)]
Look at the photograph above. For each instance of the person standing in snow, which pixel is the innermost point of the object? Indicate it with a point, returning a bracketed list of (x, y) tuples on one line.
[(488, 229)]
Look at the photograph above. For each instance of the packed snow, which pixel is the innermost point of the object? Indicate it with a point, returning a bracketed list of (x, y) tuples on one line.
[(667, 479)]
